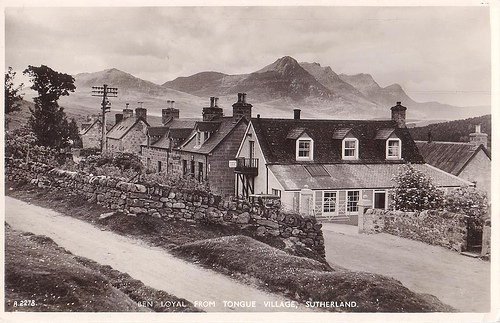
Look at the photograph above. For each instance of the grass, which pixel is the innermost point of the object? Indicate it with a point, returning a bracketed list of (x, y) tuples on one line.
[(51, 279), (305, 279)]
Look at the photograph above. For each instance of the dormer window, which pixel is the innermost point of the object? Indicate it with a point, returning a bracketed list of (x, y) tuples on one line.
[(304, 149), (393, 148), (350, 148)]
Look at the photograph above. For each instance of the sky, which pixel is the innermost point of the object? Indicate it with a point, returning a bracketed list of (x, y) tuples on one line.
[(435, 53)]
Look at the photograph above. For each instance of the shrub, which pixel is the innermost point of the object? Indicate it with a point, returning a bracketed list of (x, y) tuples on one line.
[(469, 201), (414, 191)]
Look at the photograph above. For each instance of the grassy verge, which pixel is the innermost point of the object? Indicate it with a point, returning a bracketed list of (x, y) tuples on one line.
[(40, 276), (307, 280)]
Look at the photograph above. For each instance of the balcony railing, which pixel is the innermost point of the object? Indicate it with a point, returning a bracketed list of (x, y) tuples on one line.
[(247, 165)]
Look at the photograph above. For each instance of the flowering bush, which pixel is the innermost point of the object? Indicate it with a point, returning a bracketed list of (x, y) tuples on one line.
[(414, 191), (469, 201)]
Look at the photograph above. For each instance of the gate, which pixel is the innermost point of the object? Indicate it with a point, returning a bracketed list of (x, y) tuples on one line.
[(474, 234)]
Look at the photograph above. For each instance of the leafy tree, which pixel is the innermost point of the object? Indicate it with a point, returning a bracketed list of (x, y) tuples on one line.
[(48, 121), (12, 96), (469, 201), (414, 191)]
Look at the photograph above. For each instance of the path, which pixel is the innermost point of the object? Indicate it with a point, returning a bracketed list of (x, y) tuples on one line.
[(456, 280), (153, 266)]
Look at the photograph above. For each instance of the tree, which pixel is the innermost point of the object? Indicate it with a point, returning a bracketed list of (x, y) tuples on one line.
[(414, 191), (48, 121), (12, 96)]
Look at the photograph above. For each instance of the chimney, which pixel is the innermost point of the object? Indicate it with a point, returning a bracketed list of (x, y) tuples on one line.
[(169, 113), (398, 115), (141, 113), (242, 108), (212, 112), (127, 113), (478, 138), (296, 114), (118, 117)]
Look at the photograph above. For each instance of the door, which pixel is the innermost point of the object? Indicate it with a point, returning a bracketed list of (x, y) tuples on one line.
[(379, 200), (330, 203)]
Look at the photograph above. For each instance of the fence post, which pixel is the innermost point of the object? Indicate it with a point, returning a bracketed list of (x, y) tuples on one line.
[(363, 205)]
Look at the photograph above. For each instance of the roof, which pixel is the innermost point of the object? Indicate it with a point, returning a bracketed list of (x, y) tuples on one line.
[(177, 129), (87, 126), (226, 126), (157, 131), (209, 126), (452, 157), (355, 176), (274, 139), (123, 127)]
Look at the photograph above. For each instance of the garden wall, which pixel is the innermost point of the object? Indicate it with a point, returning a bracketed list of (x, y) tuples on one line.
[(174, 203), (440, 228)]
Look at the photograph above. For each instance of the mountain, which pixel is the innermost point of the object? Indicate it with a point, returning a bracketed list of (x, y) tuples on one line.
[(131, 90), (274, 90)]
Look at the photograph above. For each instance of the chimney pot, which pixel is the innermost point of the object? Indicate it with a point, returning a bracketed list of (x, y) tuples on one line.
[(243, 97), (478, 128), (216, 102), (212, 101), (398, 103), (296, 114)]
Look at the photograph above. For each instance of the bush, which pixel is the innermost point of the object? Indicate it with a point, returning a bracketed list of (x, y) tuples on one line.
[(469, 201), (414, 191)]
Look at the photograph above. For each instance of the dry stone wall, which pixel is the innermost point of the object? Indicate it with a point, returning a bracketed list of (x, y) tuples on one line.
[(441, 228), (173, 203)]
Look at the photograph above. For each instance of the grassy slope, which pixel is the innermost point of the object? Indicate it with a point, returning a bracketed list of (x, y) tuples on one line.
[(38, 269), (305, 279)]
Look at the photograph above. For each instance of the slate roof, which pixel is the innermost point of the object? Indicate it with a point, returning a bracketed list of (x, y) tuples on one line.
[(177, 129), (157, 131), (87, 126), (272, 135), (226, 126), (355, 176), (452, 157), (123, 127)]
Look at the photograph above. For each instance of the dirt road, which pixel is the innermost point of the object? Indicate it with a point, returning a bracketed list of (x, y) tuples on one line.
[(153, 266), (456, 280)]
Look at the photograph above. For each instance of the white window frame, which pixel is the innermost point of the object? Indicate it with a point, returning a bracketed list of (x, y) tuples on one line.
[(311, 149), (336, 205), (198, 139), (356, 148), (387, 148), (347, 201)]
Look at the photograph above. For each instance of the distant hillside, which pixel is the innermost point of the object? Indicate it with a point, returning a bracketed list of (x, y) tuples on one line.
[(457, 130)]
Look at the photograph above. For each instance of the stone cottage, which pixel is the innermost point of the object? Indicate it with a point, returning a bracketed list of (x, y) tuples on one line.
[(91, 134), (468, 160), (129, 132), (207, 153)]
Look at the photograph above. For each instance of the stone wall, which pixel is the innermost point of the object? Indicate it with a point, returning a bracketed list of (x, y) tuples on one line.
[(175, 203), (440, 228)]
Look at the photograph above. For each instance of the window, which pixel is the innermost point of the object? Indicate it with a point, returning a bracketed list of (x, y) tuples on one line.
[(206, 135), (191, 170), (276, 192), (352, 201), (393, 149), (329, 202), (304, 149), (350, 148), (159, 166), (184, 167), (198, 139)]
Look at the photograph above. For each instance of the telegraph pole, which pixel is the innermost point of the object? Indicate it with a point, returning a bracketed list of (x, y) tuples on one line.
[(105, 92)]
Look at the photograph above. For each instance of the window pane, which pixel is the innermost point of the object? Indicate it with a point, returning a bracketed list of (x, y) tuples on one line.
[(352, 201), (304, 147)]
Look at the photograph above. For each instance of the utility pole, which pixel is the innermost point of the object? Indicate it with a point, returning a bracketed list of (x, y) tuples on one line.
[(105, 92)]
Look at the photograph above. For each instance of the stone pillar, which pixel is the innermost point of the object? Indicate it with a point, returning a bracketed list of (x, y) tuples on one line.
[(486, 245), (306, 201), (363, 205)]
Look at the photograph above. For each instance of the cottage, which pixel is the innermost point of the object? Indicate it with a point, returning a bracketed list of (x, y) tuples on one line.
[(156, 152), (206, 154), (129, 132), (468, 160), (324, 167), (91, 134)]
